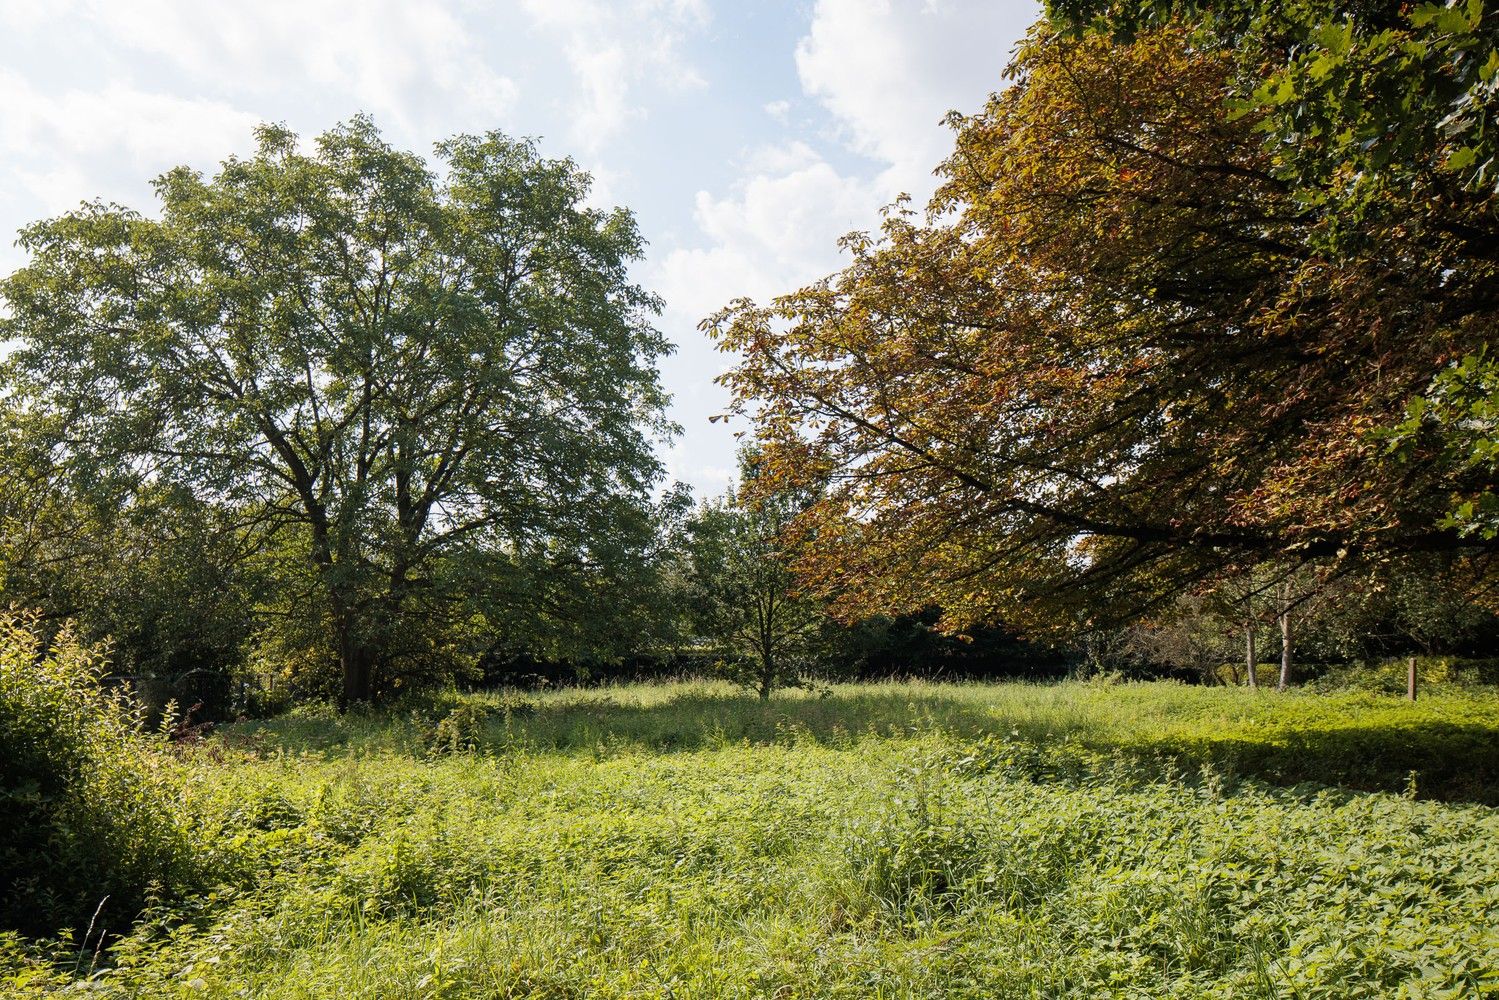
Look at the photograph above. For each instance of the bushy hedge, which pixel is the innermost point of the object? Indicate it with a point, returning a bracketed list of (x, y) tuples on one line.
[(90, 824)]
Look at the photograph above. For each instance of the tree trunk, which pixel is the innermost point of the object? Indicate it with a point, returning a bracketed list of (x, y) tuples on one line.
[(357, 666), (355, 659), (1285, 640), (1251, 661), (1410, 678)]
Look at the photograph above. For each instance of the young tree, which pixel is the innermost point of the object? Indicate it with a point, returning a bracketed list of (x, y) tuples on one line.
[(743, 595), (412, 378), (1239, 597)]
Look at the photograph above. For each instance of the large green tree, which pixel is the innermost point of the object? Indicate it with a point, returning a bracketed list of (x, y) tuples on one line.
[(412, 377)]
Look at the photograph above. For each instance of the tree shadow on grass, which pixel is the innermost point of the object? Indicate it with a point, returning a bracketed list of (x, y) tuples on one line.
[(1451, 761), (697, 721), (1447, 761)]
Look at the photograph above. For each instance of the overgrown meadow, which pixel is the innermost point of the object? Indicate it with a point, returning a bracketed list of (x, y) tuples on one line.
[(1187, 363), (894, 840)]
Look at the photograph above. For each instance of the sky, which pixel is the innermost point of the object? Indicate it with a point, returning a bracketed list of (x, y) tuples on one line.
[(746, 137)]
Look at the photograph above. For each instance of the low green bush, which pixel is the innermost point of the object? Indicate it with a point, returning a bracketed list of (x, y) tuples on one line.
[(90, 824), (1390, 676)]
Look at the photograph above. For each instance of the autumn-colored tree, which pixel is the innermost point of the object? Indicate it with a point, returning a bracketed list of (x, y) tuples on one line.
[(1117, 358), (1382, 119), (1368, 109)]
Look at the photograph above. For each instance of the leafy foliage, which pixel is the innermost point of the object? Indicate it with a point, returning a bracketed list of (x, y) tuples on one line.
[(1365, 106), (90, 821), (1458, 419), (741, 594), (419, 394), (1122, 356), (1381, 121)]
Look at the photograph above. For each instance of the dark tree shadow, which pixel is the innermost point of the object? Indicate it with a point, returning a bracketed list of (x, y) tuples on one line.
[(1456, 762)]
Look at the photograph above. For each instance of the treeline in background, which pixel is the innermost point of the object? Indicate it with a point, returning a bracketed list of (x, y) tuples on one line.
[(1184, 371)]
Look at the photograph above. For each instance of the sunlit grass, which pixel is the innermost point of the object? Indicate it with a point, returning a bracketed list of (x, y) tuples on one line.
[(1449, 738), (888, 840)]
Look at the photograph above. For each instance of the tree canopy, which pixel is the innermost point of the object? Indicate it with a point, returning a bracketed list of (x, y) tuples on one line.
[(1121, 354), (421, 389)]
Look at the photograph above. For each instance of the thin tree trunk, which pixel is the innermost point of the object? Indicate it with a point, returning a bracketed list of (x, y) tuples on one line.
[(1251, 660), (1285, 640), (1410, 679)]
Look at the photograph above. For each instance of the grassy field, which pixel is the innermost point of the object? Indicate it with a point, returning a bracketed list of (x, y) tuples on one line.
[(900, 840)]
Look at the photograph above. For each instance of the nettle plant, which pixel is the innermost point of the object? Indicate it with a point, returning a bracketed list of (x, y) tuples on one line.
[(90, 825)]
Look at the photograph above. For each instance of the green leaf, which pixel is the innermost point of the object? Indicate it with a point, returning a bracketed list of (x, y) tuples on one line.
[(1278, 90), (1461, 158), (1337, 39), (1490, 67)]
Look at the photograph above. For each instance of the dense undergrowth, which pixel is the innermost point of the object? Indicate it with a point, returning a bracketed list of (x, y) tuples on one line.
[(881, 841), (91, 817)]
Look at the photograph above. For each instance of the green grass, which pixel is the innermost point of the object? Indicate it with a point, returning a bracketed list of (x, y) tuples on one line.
[(1362, 740), (909, 840)]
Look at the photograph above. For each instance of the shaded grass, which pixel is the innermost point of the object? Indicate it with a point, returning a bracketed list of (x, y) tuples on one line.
[(1362, 740)]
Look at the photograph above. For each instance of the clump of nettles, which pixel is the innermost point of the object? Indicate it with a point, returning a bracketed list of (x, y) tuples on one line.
[(466, 726), (91, 829), (460, 731)]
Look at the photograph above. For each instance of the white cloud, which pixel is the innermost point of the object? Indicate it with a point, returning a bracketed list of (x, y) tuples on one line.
[(888, 72), (612, 48), (774, 231), (386, 52), (116, 121), (706, 478), (59, 148), (99, 96)]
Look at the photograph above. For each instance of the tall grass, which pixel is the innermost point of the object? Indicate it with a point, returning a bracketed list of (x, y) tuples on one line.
[(884, 841), (1358, 739)]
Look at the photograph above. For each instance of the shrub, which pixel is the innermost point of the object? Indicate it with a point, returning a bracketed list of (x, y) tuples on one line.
[(88, 828), (460, 731)]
